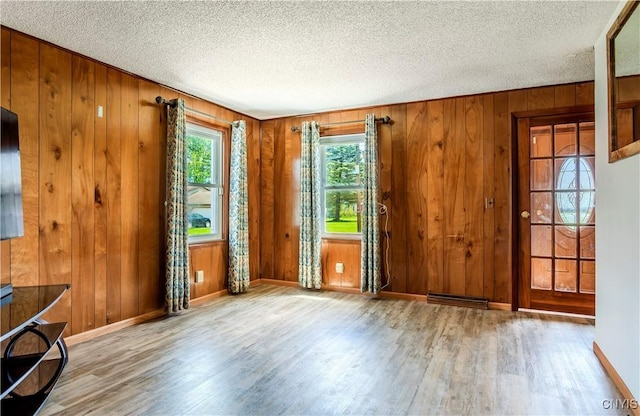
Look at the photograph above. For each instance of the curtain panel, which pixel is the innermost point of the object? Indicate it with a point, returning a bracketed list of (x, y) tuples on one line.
[(370, 280), (310, 275), (177, 256), (239, 278)]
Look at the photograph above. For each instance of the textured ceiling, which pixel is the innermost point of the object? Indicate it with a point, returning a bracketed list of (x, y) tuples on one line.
[(271, 59)]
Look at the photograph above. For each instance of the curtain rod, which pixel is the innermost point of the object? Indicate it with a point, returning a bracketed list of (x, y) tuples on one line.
[(162, 101), (384, 120)]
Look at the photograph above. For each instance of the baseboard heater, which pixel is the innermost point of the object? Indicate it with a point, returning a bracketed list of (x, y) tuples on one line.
[(458, 300)]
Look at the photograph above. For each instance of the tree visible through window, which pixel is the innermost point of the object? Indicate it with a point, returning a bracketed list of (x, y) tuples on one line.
[(204, 191), (343, 164)]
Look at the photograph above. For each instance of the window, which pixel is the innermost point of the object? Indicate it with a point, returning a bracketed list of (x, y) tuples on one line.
[(204, 191), (342, 188)]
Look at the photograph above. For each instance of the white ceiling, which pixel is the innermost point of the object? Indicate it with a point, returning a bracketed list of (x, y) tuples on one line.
[(271, 59)]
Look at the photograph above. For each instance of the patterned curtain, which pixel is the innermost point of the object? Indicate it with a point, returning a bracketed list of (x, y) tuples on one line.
[(310, 218), (177, 268), (370, 247), (238, 211)]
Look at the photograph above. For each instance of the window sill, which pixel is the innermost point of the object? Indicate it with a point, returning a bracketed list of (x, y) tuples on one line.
[(342, 238), (205, 243)]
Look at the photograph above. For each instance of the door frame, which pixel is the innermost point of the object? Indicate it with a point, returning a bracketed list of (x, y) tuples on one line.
[(516, 258)]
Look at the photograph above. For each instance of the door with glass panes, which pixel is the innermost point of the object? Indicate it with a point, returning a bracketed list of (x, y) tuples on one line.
[(557, 213)]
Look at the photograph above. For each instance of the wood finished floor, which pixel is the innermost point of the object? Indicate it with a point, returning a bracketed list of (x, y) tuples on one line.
[(281, 350)]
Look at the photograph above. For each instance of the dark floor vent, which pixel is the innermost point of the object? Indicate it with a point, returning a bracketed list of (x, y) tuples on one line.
[(456, 300)]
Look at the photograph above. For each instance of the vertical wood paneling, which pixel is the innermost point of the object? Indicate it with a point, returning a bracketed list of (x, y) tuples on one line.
[(93, 186), (565, 95), (454, 216), (417, 197), (399, 198), (585, 94), (150, 214), (473, 195), (114, 196), (100, 199), (267, 191), (25, 101), (294, 152), (489, 185), (384, 158), (629, 88), (282, 166), (253, 170), (345, 252), (540, 98), (517, 102), (82, 194), (502, 197), (55, 175), (5, 100), (130, 277), (435, 198), (212, 259)]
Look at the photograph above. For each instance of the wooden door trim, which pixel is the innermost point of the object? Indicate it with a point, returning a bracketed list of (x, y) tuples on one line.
[(516, 116), (552, 112)]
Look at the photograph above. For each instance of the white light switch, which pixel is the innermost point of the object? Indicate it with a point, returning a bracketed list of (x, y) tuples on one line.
[(199, 276), (100, 111), (339, 267)]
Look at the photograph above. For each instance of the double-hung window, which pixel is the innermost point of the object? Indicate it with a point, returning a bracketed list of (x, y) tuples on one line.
[(205, 187), (342, 159)]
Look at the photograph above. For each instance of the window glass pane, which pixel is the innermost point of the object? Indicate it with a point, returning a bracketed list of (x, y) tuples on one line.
[(199, 159), (588, 242), (540, 240), (587, 174), (204, 174), (587, 138), (566, 242), (566, 275), (203, 205), (565, 141), (343, 164), (566, 174), (566, 210), (587, 277), (541, 207), (342, 211), (587, 207), (541, 274), (541, 140), (541, 174)]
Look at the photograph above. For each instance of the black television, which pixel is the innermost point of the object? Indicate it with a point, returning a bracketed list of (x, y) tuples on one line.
[(11, 218)]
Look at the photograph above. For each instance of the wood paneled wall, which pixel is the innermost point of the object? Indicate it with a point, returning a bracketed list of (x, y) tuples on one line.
[(440, 161), (93, 188)]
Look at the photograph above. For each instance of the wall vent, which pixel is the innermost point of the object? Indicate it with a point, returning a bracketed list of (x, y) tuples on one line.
[(458, 300)]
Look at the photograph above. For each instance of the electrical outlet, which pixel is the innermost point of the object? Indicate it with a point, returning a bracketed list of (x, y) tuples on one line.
[(339, 267), (199, 276)]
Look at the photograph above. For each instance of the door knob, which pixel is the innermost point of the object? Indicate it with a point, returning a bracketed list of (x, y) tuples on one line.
[(525, 214)]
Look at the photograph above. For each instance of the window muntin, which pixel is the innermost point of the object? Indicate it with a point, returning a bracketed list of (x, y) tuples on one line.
[(205, 186), (342, 185)]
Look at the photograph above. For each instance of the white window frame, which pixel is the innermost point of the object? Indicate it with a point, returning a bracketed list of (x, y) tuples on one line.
[(217, 181), (324, 143)]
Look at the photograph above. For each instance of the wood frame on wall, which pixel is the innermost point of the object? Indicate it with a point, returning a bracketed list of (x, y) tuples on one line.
[(633, 148)]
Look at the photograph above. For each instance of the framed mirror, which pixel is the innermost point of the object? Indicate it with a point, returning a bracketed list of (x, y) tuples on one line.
[(623, 76)]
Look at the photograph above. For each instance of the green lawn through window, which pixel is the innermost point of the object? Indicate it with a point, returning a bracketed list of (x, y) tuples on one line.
[(345, 225), (198, 231)]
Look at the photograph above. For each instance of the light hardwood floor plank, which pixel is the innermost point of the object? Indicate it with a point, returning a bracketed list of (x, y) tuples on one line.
[(284, 350)]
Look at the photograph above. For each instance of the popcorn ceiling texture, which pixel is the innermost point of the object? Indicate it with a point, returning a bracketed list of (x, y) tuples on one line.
[(272, 59)]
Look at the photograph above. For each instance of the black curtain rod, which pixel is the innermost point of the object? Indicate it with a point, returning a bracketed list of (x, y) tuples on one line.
[(172, 104), (383, 120)]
